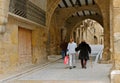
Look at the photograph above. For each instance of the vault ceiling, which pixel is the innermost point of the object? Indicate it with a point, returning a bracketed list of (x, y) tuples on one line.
[(78, 3)]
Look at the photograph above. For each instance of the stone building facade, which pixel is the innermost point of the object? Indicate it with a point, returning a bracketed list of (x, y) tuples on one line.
[(44, 33)]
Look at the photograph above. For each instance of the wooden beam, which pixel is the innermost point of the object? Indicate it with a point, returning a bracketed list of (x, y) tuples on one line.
[(77, 14), (83, 13), (65, 3), (86, 2), (90, 12), (59, 6), (76, 19), (78, 2), (72, 3), (93, 1), (81, 8)]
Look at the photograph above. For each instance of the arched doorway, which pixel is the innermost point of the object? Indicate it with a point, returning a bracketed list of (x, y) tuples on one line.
[(89, 30)]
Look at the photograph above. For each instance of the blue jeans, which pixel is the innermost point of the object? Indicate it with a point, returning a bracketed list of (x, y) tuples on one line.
[(63, 54)]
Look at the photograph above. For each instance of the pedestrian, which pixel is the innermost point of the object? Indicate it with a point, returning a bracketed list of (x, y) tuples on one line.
[(63, 47), (85, 50), (71, 52)]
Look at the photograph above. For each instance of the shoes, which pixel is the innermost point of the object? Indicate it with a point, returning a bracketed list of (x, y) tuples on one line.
[(74, 66), (84, 67), (70, 67)]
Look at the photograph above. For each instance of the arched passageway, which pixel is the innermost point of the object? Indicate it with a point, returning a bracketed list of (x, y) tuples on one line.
[(60, 17), (88, 30), (68, 13)]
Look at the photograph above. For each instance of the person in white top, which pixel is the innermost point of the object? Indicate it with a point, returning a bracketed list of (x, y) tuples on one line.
[(71, 52)]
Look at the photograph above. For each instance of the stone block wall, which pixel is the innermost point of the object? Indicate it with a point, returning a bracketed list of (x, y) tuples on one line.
[(39, 40), (9, 44), (116, 25), (9, 53), (116, 34), (54, 37)]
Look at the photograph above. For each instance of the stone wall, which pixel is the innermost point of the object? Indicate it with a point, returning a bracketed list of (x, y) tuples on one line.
[(116, 32), (116, 24), (9, 55), (62, 15), (39, 40), (105, 10), (54, 36)]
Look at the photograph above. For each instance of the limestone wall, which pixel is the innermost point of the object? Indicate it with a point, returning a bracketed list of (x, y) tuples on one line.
[(116, 34), (116, 25), (104, 6), (39, 40), (9, 54), (54, 37)]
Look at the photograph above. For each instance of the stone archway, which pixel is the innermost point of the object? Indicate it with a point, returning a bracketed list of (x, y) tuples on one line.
[(53, 12), (75, 23), (104, 9), (104, 6), (51, 6), (66, 13)]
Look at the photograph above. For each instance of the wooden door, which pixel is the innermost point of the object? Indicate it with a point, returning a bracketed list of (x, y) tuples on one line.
[(25, 48)]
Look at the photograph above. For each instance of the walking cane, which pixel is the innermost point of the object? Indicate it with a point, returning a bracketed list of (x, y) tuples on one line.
[(91, 60)]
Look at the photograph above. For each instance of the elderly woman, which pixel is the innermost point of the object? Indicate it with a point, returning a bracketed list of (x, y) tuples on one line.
[(84, 49)]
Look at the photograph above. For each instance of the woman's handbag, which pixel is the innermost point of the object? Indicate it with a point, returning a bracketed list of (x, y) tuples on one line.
[(66, 59)]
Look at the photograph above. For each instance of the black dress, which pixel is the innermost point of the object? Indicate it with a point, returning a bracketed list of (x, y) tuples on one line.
[(84, 50)]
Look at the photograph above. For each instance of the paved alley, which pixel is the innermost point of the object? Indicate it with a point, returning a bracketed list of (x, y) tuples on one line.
[(98, 73)]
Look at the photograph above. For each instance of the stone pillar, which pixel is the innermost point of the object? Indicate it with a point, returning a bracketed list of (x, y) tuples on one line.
[(104, 6), (77, 35), (111, 31), (51, 6), (106, 25), (106, 52), (80, 33), (115, 73), (116, 25), (4, 8), (86, 34)]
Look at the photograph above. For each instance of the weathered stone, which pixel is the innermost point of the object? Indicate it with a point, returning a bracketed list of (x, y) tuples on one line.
[(47, 38)]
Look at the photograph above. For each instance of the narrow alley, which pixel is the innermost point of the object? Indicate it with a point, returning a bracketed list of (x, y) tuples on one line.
[(32, 33)]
